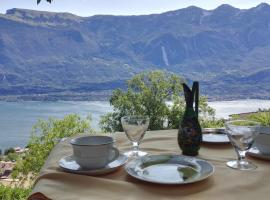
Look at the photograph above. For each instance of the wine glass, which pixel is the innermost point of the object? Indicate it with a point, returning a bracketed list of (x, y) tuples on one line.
[(135, 128), (241, 134)]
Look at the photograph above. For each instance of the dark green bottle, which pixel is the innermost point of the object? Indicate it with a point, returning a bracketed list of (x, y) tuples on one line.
[(190, 133)]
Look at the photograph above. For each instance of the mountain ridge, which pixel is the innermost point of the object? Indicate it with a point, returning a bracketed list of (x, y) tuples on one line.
[(61, 52)]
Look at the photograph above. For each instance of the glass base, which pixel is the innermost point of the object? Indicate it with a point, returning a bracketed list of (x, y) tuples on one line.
[(135, 153), (241, 165)]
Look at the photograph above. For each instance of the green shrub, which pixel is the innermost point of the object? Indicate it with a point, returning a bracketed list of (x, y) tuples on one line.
[(263, 117), (12, 157), (45, 135), (13, 193), (212, 123), (9, 150), (207, 115)]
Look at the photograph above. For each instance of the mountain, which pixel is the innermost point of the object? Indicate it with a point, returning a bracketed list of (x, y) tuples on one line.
[(45, 55)]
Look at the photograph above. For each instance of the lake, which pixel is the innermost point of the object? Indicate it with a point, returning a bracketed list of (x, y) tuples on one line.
[(17, 118)]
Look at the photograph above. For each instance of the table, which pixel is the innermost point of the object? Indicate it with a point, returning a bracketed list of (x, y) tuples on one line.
[(225, 183)]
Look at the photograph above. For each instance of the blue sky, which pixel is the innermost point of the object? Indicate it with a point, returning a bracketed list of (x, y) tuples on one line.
[(120, 7)]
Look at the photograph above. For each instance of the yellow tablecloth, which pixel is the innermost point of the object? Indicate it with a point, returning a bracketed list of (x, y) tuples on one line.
[(226, 183)]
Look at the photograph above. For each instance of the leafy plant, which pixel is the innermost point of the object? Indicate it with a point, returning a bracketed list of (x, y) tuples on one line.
[(13, 193), (207, 117), (12, 157), (263, 117), (9, 150), (46, 134)]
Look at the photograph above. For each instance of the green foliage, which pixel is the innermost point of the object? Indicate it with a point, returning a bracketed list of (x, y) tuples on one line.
[(148, 94), (176, 112), (46, 134), (212, 123), (207, 115), (9, 150), (263, 117), (13, 193), (12, 157)]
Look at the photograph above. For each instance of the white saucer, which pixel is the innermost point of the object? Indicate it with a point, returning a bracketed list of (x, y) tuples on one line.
[(215, 135), (68, 164)]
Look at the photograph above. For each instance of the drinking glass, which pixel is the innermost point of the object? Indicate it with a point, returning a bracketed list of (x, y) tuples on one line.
[(135, 128), (241, 134)]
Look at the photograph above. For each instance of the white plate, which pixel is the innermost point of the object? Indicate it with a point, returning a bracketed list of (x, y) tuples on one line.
[(68, 164), (215, 135), (169, 169)]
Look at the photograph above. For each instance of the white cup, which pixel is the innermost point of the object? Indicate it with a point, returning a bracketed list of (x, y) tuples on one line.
[(94, 152)]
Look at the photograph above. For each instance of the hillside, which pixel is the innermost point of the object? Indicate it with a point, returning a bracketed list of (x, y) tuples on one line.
[(52, 56)]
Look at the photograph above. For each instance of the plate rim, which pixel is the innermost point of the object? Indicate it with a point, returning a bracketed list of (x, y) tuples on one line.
[(172, 183), (92, 171)]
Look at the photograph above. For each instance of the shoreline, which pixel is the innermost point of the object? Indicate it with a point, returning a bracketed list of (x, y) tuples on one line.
[(103, 97), (18, 118)]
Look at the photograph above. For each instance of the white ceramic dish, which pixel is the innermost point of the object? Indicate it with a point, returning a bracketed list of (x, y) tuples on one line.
[(215, 135), (169, 169), (69, 164), (94, 151)]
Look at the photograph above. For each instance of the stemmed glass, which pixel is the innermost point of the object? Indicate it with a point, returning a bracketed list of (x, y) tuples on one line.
[(135, 128), (241, 134)]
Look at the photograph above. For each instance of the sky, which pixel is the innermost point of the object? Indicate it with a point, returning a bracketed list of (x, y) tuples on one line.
[(121, 7)]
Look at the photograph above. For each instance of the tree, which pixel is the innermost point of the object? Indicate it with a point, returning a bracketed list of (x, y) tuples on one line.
[(147, 94), (156, 94)]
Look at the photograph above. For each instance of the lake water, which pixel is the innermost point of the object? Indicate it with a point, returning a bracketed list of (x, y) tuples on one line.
[(17, 118)]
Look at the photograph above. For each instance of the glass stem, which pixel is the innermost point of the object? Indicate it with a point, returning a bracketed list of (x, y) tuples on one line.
[(135, 148), (241, 156)]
